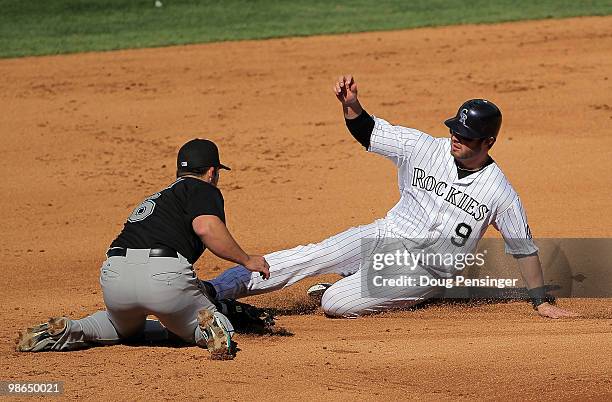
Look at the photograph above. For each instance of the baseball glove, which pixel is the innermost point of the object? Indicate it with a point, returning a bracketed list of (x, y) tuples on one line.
[(245, 318)]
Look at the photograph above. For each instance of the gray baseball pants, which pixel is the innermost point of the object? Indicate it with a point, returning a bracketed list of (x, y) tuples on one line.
[(135, 286)]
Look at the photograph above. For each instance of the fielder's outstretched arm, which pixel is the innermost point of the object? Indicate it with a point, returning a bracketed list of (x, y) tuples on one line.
[(217, 238)]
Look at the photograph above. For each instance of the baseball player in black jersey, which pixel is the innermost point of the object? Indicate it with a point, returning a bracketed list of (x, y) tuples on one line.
[(149, 266)]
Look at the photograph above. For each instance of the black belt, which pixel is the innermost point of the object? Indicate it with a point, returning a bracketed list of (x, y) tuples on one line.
[(154, 252)]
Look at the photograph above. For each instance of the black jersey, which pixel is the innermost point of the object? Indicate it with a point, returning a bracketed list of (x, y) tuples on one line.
[(165, 218)]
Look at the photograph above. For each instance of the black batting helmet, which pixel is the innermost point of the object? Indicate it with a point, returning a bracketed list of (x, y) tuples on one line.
[(476, 118)]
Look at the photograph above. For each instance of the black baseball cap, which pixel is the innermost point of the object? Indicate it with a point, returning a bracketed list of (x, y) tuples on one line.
[(197, 154)]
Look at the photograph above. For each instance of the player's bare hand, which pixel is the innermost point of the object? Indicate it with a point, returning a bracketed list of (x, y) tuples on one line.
[(549, 311), (345, 90), (256, 263)]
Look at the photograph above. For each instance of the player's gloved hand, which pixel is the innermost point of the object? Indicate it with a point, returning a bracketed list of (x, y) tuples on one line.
[(346, 90), (246, 318), (550, 311), (256, 263)]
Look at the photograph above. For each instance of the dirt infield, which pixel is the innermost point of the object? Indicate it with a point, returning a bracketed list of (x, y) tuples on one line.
[(85, 137)]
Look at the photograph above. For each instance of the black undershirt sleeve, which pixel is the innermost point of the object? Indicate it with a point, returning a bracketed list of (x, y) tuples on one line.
[(361, 128)]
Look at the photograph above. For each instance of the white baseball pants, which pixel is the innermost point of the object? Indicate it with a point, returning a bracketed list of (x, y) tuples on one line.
[(340, 254)]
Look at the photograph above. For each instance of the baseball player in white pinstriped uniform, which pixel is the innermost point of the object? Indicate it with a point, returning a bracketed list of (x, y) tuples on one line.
[(450, 192)]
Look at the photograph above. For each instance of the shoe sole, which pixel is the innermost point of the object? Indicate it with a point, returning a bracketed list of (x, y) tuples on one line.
[(219, 341), (40, 336), (316, 291)]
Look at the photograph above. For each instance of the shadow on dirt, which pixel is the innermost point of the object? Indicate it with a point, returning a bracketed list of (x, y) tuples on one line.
[(465, 297)]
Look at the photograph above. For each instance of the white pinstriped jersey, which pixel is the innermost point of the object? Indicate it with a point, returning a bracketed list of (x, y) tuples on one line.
[(438, 210)]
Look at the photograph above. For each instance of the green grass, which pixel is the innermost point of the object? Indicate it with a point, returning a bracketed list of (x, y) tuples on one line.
[(36, 27)]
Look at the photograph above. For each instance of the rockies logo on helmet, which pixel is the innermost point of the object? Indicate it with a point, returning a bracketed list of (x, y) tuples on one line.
[(463, 116)]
